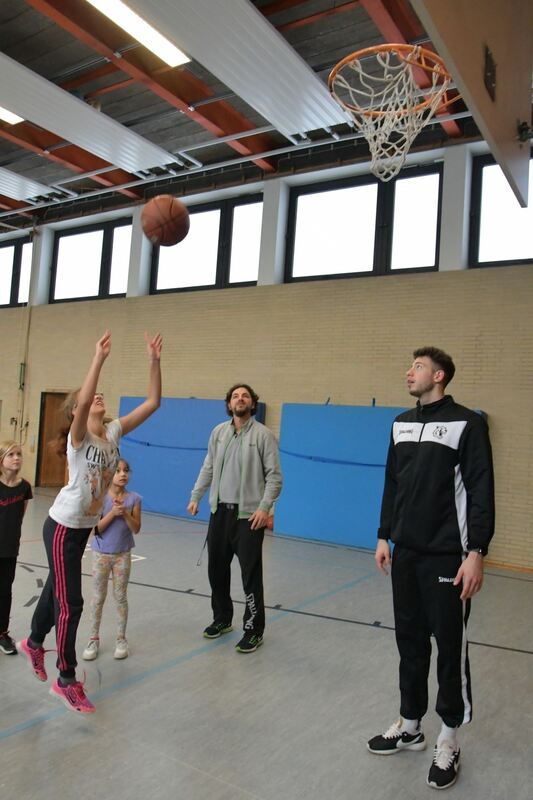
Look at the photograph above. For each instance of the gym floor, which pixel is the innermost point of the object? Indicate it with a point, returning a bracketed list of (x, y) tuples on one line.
[(193, 719)]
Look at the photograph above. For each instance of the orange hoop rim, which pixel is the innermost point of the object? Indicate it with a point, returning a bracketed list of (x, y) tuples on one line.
[(424, 57)]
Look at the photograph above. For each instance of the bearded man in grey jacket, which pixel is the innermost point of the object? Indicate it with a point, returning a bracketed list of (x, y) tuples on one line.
[(243, 473)]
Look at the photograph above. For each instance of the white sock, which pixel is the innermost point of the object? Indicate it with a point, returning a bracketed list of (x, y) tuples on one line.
[(409, 725), (447, 735)]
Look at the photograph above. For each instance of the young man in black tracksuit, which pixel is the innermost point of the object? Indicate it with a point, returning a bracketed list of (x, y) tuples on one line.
[(438, 510)]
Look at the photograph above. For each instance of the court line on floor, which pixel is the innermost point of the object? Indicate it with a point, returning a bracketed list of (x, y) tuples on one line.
[(198, 651), (165, 666), (298, 608)]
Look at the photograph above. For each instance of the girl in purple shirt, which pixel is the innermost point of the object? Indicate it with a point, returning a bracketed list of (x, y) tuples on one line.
[(111, 546)]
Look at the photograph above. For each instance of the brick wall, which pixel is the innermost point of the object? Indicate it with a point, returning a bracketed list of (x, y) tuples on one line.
[(350, 340)]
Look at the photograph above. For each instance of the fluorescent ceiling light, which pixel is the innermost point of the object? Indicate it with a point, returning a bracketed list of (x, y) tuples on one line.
[(119, 13), (9, 117)]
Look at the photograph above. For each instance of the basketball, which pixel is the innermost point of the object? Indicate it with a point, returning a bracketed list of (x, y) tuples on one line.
[(165, 220)]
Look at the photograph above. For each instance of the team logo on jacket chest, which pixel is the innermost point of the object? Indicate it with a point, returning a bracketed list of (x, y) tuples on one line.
[(446, 433)]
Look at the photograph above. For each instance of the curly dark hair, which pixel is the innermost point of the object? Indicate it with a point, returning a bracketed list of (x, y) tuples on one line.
[(440, 359), (253, 395)]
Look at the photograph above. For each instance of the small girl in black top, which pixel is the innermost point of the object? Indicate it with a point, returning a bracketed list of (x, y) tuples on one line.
[(14, 495)]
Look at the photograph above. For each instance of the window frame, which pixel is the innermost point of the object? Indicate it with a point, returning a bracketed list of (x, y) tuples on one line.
[(383, 235), (108, 229), (225, 233), (478, 165), (17, 244)]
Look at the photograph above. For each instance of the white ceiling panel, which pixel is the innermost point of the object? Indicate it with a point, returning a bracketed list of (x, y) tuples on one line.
[(235, 42), (39, 101), (20, 188)]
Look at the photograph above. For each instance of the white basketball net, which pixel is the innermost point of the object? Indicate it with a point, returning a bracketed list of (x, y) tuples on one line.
[(387, 104)]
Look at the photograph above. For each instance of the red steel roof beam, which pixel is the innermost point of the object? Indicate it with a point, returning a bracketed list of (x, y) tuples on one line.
[(90, 75), (8, 204), (280, 5), (100, 72), (297, 23), (112, 87), (396, 22)]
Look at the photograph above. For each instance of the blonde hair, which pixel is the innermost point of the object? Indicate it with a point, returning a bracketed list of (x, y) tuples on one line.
[(5, 447)]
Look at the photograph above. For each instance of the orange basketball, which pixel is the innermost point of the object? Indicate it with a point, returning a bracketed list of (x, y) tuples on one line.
[(165, 220)]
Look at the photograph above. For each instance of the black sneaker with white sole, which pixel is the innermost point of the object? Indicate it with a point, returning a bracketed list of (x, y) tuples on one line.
[(7, 645), (445, 766), (394, 740)]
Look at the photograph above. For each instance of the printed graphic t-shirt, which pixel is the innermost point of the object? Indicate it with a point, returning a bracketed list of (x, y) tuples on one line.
[(12, 499), (91, 467)]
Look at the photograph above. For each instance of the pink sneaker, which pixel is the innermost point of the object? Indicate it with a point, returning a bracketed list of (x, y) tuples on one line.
[(35, 658), (73, 696)]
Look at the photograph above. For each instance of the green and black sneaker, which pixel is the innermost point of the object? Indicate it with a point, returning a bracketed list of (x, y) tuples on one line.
[(216, 629), (249, 643)]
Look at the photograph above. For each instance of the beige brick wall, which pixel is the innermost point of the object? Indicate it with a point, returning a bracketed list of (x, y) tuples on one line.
[(350, 340)]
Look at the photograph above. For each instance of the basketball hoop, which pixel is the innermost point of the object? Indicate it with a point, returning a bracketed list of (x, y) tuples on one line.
[(391, 91)]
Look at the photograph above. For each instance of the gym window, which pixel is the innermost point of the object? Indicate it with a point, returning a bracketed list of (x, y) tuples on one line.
[(360, 226), (15, 268), (91, 261), (220, 250), (415, 221), (500, 231), (245, 242)]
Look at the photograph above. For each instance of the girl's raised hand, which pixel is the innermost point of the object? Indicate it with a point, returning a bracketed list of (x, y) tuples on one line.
[(153, 346), (103, 345)]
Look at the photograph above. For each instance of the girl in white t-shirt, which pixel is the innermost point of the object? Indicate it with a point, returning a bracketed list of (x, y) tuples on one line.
[(92, 457)]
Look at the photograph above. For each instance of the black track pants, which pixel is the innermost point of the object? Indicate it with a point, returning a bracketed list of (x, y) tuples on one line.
[(7, 576), (426, 602), (228, 536), (61, 601)]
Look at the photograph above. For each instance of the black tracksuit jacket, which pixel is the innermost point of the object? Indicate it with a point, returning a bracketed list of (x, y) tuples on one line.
[(439, 483)]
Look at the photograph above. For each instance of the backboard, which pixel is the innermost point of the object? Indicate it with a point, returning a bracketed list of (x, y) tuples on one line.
[(487, 46)]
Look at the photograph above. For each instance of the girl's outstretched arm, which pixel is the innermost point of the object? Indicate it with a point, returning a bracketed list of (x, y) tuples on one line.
[(153, 400), (86, 394)]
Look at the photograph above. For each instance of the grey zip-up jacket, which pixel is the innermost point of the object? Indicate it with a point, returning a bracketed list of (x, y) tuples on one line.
[(261, 479)]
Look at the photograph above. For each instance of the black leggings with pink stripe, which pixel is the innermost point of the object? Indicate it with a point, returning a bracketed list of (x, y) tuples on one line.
[(61, 601)]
